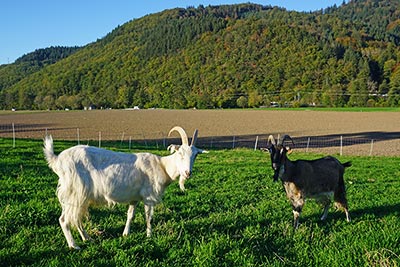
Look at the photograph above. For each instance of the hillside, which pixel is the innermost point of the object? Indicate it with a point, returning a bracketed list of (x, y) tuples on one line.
[(226, 56), (32, 62)]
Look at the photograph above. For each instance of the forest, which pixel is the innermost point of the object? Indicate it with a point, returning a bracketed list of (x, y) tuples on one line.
[(227, 56)]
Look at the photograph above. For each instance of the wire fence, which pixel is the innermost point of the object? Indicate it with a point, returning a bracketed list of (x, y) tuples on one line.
[(338, 144)]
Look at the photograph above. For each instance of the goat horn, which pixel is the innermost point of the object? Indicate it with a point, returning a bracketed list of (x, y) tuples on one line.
[(271, 140), (194, 139), (286, 137), (182, 132)]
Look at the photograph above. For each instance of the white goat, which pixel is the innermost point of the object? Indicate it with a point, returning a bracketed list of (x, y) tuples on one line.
[(94, 176)]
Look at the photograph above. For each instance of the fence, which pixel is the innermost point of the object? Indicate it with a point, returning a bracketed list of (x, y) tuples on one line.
[(338, 144)]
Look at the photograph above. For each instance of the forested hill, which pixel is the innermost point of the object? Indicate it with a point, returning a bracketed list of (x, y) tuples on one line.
[(225, 56), (31, 63)]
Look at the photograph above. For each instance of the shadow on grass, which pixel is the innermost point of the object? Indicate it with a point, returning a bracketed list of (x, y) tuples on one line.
[(355, 214)]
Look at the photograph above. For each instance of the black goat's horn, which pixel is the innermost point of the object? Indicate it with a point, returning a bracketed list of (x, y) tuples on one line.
[(194, 139), (284, 139)]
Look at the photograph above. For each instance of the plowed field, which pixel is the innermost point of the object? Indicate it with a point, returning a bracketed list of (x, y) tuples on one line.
[(359, 133)]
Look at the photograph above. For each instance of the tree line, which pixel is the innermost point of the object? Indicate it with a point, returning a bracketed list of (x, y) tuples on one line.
[(222, 57)]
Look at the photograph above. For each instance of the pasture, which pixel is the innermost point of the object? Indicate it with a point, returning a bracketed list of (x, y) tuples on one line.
[(231, 214)]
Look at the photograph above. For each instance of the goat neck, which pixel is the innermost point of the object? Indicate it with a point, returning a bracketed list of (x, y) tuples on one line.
[(286, 170), (170, 167)]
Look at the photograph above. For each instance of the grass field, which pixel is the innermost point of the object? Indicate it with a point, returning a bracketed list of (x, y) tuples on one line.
[(232, 214)]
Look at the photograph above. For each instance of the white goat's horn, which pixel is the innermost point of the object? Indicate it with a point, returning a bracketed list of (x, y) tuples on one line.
[(182, 132), (271, 140), (194, 139)]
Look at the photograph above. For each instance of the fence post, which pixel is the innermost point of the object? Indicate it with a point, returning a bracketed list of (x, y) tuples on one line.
[(164, 140), (122, 138), (372, 147), (233, 142), (130, 142), (77, 134), (99, 139), (255, 146), (341, 145), (144, 138), (13, 129), (308, 144)]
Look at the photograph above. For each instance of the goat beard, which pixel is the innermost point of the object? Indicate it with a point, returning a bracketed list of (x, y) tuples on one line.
[(182, 181)]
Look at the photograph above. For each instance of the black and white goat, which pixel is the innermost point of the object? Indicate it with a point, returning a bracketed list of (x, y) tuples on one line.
[(319, 179), (94, 176)]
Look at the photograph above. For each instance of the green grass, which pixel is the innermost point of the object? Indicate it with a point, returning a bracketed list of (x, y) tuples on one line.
[(232, 214)]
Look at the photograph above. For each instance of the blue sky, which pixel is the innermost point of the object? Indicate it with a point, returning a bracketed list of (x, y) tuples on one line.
[(27, 25)]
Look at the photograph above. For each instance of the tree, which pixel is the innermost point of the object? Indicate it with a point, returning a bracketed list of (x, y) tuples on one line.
[(209, 56), (241, 102), (48, 102), (255, 99), (62, 102), (394, 91)]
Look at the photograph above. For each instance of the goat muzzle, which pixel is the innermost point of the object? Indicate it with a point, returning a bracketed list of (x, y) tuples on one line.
[(187, 174)]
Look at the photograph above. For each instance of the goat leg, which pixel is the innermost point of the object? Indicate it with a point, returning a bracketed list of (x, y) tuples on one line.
[(325, 200), (148, 209), (342, 204), (82, 232), (296, 215), (347, 215), (65, 226), (297, 201), (130, 217), (325, 213)]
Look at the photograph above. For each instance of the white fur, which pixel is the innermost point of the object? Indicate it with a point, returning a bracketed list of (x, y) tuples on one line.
[(93, 176)]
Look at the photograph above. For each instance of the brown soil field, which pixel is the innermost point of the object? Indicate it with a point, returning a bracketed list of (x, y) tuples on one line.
[(359, 133)]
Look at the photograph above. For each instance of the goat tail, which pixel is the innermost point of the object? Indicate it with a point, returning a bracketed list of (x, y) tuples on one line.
[(347, 164), (48, 150)]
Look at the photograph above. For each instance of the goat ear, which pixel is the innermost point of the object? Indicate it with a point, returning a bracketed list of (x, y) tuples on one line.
[(201, 151), (173, 148)]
